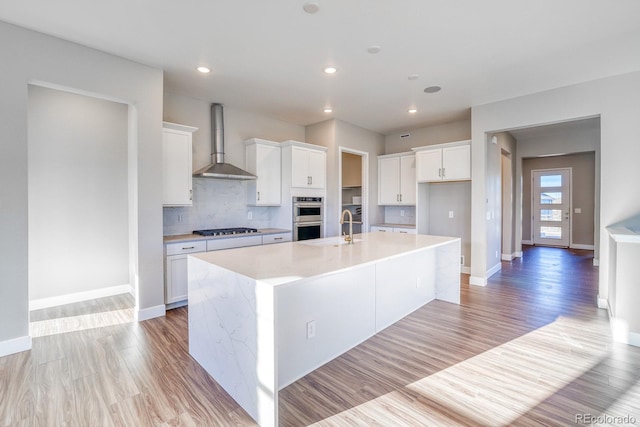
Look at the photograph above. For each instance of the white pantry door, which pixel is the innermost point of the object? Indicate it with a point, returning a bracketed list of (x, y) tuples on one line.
[(551, 207)]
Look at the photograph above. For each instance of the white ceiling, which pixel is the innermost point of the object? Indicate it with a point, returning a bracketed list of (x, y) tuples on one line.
[(268, 56)]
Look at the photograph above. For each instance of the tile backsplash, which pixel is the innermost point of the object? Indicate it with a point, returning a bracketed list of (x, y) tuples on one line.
[(393, 214), (216, 204)]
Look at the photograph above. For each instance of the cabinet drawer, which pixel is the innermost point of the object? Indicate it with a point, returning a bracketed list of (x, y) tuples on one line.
[(379, 228), (233, 242), (276, 238), (186, 247)]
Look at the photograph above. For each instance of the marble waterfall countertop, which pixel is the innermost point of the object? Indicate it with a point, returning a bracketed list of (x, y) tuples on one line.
[(288, 262)]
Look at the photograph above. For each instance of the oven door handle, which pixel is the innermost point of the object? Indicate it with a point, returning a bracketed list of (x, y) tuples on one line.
[(305, 224), (307, 205)]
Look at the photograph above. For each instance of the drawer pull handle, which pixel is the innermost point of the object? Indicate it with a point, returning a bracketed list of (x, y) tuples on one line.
[(190, 247), (277, 238)]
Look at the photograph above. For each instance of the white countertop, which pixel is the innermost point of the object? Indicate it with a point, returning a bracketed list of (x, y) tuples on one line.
[(288, 262), (194, 237), (393, 225)]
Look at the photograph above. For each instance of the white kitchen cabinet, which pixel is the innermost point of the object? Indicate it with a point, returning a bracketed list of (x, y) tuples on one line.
[(387, 229), (308, 165), (264, 161), (397, 180), (177, 189), (444, 162), (176, 269)]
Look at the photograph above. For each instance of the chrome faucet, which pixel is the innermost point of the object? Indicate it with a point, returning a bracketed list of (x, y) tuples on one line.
[(349, 238)]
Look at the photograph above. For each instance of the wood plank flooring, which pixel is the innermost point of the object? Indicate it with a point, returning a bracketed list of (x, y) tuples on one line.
[(530, 348)]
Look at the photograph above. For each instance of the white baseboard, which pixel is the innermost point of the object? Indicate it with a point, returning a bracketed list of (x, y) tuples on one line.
[(517, 254), (477, 281), (493, 270), (581, 246), (37, 304), (507, 257), (15, 345), (596, 262), (150, 313), (603, 303), (527, 242), (465, 269)]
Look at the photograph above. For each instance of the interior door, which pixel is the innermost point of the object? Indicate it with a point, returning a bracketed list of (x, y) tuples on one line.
[(551, 207)]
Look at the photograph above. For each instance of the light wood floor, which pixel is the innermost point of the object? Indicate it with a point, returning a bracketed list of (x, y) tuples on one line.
[(530, 348)]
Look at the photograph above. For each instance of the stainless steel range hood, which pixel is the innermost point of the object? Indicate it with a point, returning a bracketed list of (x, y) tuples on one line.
[(218, 169)]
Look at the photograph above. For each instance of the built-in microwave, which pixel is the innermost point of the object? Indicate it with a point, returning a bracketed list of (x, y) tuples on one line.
[(306, 209)]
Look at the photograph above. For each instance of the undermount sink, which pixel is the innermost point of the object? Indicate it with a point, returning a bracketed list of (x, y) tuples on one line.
[(328, 241)]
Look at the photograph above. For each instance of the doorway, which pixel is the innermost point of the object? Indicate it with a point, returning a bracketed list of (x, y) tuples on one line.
[(551, 207), (79, 226), (353, 188)]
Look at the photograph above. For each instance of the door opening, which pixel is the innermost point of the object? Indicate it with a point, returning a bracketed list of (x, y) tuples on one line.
[(354, 171)]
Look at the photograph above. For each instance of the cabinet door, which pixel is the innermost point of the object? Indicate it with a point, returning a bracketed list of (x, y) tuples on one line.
[(268, 173), (176, 168), (317, 168), (176, 281), (456, 163), (389, 181), (300, 167), (408, 180), (429, 165)]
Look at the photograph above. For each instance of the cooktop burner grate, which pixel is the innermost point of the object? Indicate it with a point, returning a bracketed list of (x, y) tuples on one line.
[(225, 231)]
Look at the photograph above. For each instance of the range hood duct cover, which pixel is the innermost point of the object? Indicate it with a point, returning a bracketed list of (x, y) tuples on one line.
[(218, 169)]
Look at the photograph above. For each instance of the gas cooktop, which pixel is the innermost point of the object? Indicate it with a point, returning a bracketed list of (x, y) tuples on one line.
[(225, 231)]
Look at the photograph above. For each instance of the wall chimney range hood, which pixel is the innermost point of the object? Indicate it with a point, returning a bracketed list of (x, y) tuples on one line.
[(218, 169)]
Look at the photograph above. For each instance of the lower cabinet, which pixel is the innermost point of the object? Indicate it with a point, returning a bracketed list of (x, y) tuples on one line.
[(402, 230), (176, 282)]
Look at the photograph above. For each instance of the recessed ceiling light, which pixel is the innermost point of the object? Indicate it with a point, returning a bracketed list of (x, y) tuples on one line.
[(203, 70), (311, 7), (412, 111), (413, 76), (328, 110), (432, 89), (330, 69), (374, 49)]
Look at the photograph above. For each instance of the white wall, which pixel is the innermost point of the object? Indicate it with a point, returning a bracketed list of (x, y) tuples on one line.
[(616, 101), (429, 135), (335, 134), (222, 203), (78, 204), (29, 57)]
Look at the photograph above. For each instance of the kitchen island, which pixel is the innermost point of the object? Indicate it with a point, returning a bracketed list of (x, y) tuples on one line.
[(260, 318)]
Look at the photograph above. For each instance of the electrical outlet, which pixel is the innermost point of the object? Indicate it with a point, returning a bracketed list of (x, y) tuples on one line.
[(450, 214), (249, 215), (401, 212), (497, 254), (311, 329), (179, 218)]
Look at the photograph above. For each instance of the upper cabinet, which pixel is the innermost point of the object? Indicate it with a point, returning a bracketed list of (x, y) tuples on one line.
[(308, 164), (397, 179), (264, 161), (444, 162), (177, 183)]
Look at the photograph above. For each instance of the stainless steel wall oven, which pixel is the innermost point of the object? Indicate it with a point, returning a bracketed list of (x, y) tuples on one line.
[(308, 218)]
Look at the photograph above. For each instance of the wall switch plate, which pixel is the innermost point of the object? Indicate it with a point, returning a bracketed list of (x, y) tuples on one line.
[(450, 214), (179, 218), (311, 329), (401, 212), (577, 210), (249, 215)]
